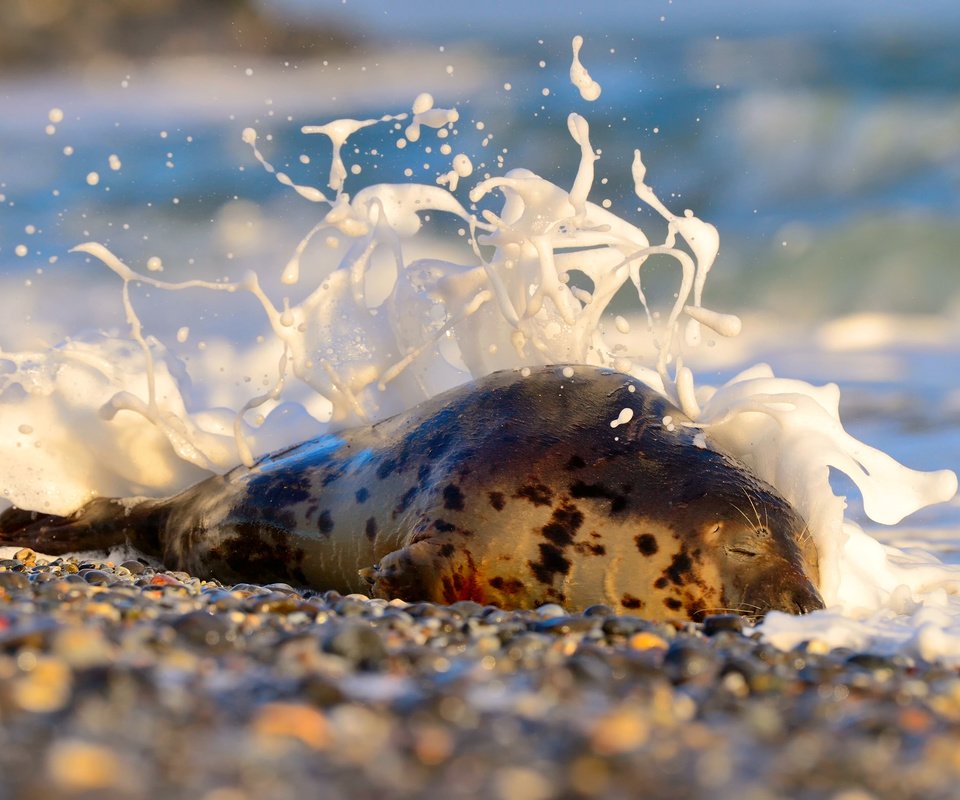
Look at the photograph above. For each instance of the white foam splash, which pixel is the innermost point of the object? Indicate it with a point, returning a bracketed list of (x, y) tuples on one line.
[(579, 77)]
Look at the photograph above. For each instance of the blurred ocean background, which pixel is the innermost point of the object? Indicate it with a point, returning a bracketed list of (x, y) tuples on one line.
[(822, 139)]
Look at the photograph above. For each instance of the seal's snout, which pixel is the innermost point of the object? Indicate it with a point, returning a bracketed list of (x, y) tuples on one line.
[(802, 599), (783, 587)]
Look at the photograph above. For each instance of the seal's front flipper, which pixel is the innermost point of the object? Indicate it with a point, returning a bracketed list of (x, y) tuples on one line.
[(428, 570), (445, 569), (99, 525)]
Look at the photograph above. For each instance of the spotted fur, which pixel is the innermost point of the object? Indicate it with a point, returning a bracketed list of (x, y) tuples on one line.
[(513, 490)]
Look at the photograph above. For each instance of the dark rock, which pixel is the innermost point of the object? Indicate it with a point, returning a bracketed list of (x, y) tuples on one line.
[(722, 622)]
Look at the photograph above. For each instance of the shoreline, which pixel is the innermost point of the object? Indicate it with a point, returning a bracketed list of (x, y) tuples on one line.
[(125, 681)]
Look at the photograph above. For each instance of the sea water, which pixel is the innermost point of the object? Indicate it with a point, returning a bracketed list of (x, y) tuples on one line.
[(380, 293)]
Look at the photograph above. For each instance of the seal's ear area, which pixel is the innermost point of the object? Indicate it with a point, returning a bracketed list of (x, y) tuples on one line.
[(735, 538), (713, 532)]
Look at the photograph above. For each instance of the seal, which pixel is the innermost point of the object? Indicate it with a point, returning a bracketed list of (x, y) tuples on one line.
[(563, 484)]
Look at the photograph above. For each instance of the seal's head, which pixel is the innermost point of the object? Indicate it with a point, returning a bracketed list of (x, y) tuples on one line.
[(763, 550)]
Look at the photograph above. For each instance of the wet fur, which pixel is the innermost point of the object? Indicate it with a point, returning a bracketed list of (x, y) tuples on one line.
[(510, 490)]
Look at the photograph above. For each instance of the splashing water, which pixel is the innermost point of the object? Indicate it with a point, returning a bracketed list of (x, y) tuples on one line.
[(579, 77), (538, 265)]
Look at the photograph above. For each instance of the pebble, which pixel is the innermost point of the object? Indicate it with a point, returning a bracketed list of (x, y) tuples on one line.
[(358, 643), (204, 629), (551, 610), (123, 680), (82, 647), (43, 685), (77, 766), (134, 567), (13, 581), (722, 622), (294, 721)]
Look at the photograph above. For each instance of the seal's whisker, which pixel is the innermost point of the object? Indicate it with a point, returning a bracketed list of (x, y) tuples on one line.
[(742, 513), (753, 505)]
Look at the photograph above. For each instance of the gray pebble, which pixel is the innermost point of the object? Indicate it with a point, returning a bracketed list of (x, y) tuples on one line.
[(356, 642), (14, 581), (551, 610)]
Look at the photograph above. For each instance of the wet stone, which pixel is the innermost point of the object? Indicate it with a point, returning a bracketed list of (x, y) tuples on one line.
[(495, 616), (871, 662), (321, 690), (203, 629), (14, 581), (526, 645), (275, 603), (467, 608), (590, 667), (283, 588), (67, 587), (96, 577), (624, 626), (82, 648), (349, 607), (222, 599), (424, 610), (249, 589), (749, 669), (43, 688), (34, 632), (356, 642), (565, 625), (598, 610), (688, 660), (45, 577), (722, 622), (551, 610)]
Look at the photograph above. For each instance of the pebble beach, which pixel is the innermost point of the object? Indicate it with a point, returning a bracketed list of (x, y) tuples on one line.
[(120, 680)]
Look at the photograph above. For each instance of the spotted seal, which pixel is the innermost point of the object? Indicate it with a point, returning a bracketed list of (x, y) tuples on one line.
[(566, 484)]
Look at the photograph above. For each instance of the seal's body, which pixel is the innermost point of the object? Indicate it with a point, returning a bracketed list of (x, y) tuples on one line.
[(572, 485)]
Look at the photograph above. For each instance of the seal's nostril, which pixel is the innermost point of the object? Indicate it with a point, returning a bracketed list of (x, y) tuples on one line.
[(806, 600)]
